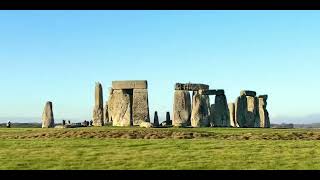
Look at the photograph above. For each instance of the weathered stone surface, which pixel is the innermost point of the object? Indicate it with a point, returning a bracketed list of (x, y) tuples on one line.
[(181, 108), (200, 114), (247, 112), (220, 92), (191, 87), (109, 104), (221, 114), (47, 116), (248, 93), (106, 114), (211, 117), (233, 122), (207, 92), (139, 84), (263, 112), (156, 119), (98, 108), (265, 97), (168, 119), (140, 107), (146, 125), (120, 108)]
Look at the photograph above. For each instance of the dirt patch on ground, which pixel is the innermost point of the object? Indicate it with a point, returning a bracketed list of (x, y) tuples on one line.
[(159, 134)]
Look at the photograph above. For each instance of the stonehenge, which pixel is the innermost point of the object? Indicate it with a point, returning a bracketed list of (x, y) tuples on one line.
[(98, 108), (128, 103), (47, 116)]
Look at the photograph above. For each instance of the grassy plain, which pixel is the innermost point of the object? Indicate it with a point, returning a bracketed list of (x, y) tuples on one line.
[(153, 149)]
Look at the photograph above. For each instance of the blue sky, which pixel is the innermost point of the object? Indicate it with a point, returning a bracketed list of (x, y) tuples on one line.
[(59, 55)]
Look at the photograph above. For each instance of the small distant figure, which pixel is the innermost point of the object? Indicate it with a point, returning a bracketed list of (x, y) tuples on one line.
[(69, 122), (63, 122), (91, 123), (9, 124)]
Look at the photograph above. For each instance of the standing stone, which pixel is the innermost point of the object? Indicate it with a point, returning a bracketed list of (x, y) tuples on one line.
[(168, 118), (263, 112), (247, 112), (106, 114), (98, 108), (47, 116), (181, 108), (200, 113), (109, 102), (233, 122), (156, 119), (212, 112), (120, 108), (221, 112), (140, 106)]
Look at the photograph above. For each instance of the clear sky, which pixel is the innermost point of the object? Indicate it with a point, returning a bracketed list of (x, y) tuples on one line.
[(59, 55)]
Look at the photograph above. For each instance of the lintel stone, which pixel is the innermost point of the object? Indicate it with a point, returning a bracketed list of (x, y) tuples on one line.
[(139, 84), (191, 87)]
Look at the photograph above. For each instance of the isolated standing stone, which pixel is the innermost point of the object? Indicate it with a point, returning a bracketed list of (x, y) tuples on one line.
[(120, 108), (98, 108), (47, 116), (168, 118), (263, 112), (221, 112), (140, 106), (181, 108), (200, 114), (156, 119)]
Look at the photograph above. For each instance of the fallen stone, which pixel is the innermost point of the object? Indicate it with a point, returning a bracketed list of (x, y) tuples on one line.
[(181, 109), (146, 125), (47, 116), (139, 84), (191, 87), (140, 107)]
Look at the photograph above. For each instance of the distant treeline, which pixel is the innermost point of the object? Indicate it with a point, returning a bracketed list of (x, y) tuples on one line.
[(22, 125)]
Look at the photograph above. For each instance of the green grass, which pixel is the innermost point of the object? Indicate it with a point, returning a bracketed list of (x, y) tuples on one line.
[(173, 149)]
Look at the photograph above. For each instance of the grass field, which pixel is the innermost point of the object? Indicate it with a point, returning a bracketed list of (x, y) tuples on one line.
[(173, 149)]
